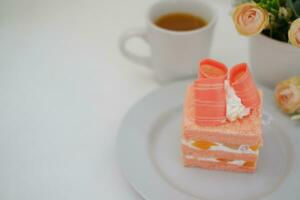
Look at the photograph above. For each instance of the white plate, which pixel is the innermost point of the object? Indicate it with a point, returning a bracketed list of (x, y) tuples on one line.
[(148, 147)]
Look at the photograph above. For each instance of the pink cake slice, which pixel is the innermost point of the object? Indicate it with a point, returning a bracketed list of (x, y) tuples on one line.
[(230, 146)]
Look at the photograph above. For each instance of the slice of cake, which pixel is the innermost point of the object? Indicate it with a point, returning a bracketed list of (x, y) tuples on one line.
[(222, 119)]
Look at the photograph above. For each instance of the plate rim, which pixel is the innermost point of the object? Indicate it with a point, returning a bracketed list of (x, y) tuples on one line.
[(133, 108)]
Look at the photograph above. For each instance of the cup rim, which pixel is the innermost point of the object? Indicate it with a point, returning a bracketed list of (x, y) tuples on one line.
[(210, 23), (278, 43)]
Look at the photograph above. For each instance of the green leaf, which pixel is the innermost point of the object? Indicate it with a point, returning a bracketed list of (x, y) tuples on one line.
[(295, 117), (295, 6)]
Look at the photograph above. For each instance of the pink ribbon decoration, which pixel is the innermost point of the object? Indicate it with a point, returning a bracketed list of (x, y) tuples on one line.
[(242, 82), (210, 100), (210, 94)]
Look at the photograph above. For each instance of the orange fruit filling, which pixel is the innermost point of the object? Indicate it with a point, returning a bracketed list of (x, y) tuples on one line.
[(203, 144), (249, 164), (254, 148), (223, 160)]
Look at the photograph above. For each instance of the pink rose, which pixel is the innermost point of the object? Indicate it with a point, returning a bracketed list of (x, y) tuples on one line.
[(287, 95), (294, 33), (250, 19)]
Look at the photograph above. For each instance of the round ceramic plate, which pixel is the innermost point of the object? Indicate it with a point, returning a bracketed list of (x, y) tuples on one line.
[(148, 147)]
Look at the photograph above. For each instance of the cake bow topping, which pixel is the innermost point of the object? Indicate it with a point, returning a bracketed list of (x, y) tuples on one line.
[(221, 95)]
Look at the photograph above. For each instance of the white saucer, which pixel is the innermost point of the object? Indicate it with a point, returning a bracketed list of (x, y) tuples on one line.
[(148, 147)]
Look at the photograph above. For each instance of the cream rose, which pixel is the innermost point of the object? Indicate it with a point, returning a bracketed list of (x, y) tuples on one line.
[(294, 33), (287, 94), (250, 19)]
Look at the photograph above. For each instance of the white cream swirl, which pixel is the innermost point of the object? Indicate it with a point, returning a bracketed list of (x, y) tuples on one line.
[(234, 107)]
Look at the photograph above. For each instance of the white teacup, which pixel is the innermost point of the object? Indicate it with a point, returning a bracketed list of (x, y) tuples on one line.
[(174, 54)]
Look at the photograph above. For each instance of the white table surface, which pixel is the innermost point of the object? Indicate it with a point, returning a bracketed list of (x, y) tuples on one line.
[(64, 88)]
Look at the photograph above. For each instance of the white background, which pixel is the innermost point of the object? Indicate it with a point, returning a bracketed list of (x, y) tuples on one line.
[(64, 88)]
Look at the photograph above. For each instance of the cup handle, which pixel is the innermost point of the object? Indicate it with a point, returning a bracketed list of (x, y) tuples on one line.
[(125, 37)]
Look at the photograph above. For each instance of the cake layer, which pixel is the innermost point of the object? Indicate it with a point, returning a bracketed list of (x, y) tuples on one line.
[(242, 163), (244, 131), (186, 150), (221, 137), (238, 166), (232, 148)]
